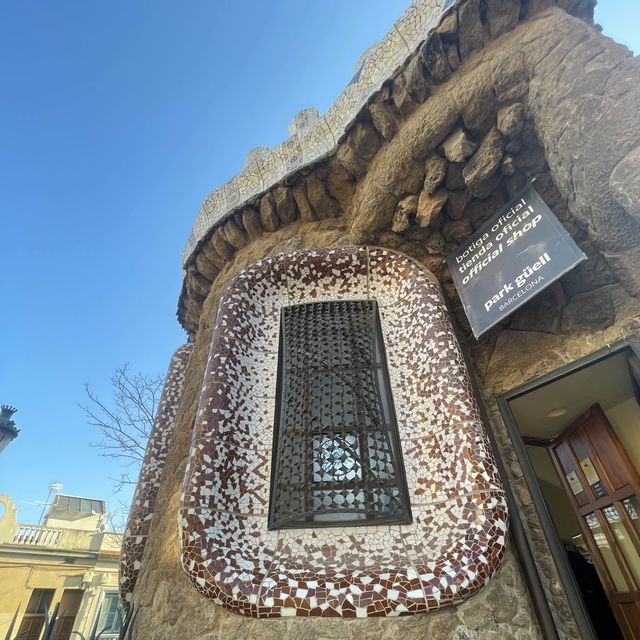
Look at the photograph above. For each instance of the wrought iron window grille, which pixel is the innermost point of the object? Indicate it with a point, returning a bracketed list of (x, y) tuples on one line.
[(337, 458)]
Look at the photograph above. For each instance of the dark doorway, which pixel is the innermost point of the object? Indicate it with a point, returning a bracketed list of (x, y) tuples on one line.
[(577, 433)]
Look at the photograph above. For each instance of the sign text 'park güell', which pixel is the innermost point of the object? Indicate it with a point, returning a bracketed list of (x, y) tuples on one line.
[(517, 253)]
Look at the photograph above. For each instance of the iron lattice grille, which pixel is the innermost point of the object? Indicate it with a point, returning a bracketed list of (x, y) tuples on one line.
[(337, 457)]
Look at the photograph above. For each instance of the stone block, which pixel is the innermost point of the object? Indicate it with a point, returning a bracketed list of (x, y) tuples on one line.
[(435, 172), (429, 126), (198, 282), (212, 254), (486, 160), (323, 205), (510, 119), (435, 59), (624, 183), (221, 245), (435, 244), (305, 209), (502, 16), (350, 160), (591, 311), (339, 184), (448, 27), (542, 313), (475, 98), (457, 147), (479, 211), (401, 97), (251, 222), (454, 178), (471, 31), (626, 266), (383, 119), (405, 209), (364, 140), (285, 204), (234, 235), (456, 230), (430, 206), (510, 74), (453, 57), (207, 268), (268, 216), (457, 203), (485, 188), (591, 274), (415, 80), (507, 166)]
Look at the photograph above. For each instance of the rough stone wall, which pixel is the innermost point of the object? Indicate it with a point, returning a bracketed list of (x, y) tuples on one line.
[(433, 156)]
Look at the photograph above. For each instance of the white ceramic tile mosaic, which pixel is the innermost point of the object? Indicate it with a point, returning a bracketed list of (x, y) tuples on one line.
[(143, 503), (457, 536)]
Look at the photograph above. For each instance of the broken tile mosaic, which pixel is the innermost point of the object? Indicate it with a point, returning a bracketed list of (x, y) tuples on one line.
[(144, 499), (457, 536)]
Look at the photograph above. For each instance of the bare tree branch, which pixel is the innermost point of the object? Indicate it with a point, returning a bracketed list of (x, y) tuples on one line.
[(124, 423)]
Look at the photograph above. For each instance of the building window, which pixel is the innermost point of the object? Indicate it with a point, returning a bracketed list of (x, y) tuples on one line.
[(35, 614), (83, 505), (69, 607), (337, 457), (110, 617)]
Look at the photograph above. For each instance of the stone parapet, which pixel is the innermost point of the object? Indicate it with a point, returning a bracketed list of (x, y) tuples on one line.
[(313, 136)]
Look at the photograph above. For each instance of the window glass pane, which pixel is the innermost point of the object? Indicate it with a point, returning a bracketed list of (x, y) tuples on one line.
[(40, 600), (70, 602), (632, 507), (605, 551), (624, 541), (336, 458), (74, 504), (110, 617)]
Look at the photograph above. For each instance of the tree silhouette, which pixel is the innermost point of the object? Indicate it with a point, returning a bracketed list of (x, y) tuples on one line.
[(124, 423)]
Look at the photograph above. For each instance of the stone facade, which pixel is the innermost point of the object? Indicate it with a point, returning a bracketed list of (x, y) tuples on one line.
[(498, 94), (168, 603)]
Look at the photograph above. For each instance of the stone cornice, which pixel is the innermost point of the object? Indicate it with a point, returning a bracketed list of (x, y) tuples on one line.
[(325, 187), (314, 136)]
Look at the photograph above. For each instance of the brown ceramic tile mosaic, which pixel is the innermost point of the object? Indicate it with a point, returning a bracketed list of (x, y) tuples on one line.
[(457, 536), (143, 504)]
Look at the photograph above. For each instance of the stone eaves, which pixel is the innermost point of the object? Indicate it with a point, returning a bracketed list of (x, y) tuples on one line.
[(328, 186)]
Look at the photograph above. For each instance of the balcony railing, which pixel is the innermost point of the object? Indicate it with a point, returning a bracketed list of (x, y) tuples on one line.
[(33, 535)]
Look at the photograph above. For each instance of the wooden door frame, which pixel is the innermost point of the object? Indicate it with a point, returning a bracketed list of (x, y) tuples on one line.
[(567, 578), (580, 432)]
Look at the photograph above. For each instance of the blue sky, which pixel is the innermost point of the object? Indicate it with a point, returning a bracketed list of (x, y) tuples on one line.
[(116, 119)]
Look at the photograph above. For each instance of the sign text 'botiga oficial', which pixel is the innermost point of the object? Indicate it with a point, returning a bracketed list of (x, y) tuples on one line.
[(516, 254)]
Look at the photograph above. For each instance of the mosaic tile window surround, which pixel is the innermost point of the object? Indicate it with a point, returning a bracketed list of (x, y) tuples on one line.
[(336, 453), (459, 515)]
